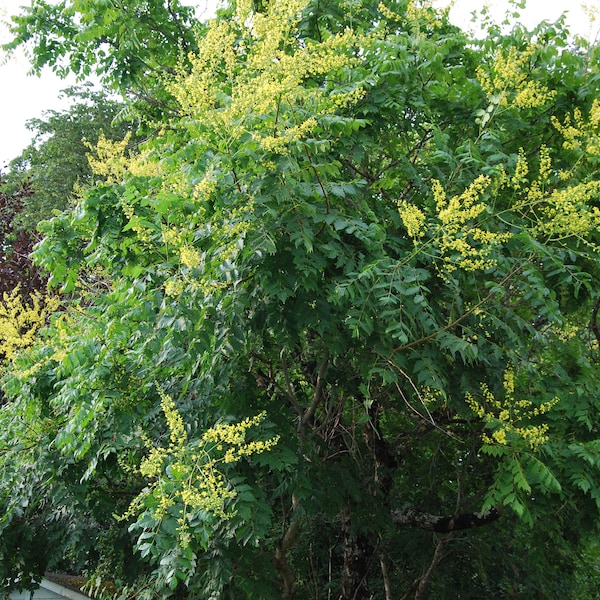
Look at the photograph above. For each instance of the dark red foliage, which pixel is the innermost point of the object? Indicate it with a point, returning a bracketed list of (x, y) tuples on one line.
[(16, 267)]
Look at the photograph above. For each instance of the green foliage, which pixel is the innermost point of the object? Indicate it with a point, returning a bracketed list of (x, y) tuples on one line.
[(130, 44), (383, 236)]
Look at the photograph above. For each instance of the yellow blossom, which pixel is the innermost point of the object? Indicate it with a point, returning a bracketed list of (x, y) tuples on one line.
[(462, 243), (507, 82), (188, 476), (580, 133), (412, 218), (521, 170), (21, 318), (189, 257), (108, 158), (510, 417)]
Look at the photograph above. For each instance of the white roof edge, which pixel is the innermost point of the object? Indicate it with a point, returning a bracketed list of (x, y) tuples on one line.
[(61, 590)]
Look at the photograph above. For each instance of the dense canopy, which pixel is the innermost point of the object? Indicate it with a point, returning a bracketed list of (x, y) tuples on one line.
[(331, 331)]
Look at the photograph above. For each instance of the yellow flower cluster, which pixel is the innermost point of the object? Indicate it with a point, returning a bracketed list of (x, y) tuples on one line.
[(569, 331), (535, 191), (521, 171), (465, 207), (412, 218), (174, 421), (580, 133), (189, 257), (186, 475), (228, 229), (545, 169), (171, 236), (206, 187), (557, 214), (264, 67), (281, 143), (568, 213), (416, 13), (143, 232), (554, 213), (109, 158), (174, 287), (508, 417), (461, 242), (232, 433), (21, 319), (508, 81)]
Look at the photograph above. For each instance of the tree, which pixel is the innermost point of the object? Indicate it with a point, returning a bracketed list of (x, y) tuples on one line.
[(16, 268), (129, 44), (337, 325), (55, 164)]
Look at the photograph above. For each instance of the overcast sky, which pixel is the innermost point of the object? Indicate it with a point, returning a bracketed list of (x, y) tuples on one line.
[(25, 97)]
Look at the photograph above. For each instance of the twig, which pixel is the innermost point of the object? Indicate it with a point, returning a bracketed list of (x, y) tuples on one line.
[(594, 322), (288, 384), (458, 320), (280, 558), (310, 411)]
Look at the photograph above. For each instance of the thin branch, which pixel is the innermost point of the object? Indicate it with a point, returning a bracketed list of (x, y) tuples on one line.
[(443, 524), (310, 411), (594, 322), (424, 580), (280, 558), (288, 384), (458, 320), (276, 117), (385, 574)]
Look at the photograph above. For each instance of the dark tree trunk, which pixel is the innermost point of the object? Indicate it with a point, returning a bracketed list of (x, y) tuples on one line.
[(357, 553)]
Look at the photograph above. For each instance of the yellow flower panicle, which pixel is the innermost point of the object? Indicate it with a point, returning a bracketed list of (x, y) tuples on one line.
[(509, 417), (189, 257), (262, 44), (580, 133), (230, 227), (557, 212), (418, 14), (188, 476), (413, 219), (21, 319), (567, 212), (107, 158), (461, 241), (521, 171), (507, 82)]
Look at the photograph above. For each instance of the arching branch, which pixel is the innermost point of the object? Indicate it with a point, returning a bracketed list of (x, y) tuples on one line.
[(421, 520)]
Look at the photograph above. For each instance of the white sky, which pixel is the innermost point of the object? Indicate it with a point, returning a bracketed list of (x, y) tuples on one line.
[(25, 97)]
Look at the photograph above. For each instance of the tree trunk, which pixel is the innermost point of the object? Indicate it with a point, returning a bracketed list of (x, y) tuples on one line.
[(357, 554)]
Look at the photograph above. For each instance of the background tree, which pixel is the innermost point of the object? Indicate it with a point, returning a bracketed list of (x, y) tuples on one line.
[(55, 164), (131, 45), (16, 268), (346, 341)]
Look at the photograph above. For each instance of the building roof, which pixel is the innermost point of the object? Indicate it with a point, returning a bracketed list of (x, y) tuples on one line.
[(55, 587)]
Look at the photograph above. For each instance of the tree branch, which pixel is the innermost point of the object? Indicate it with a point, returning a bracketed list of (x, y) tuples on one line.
[(310, 411), (458, 320), (421, 520), (288, 384), (594, 322), (280, 558)]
